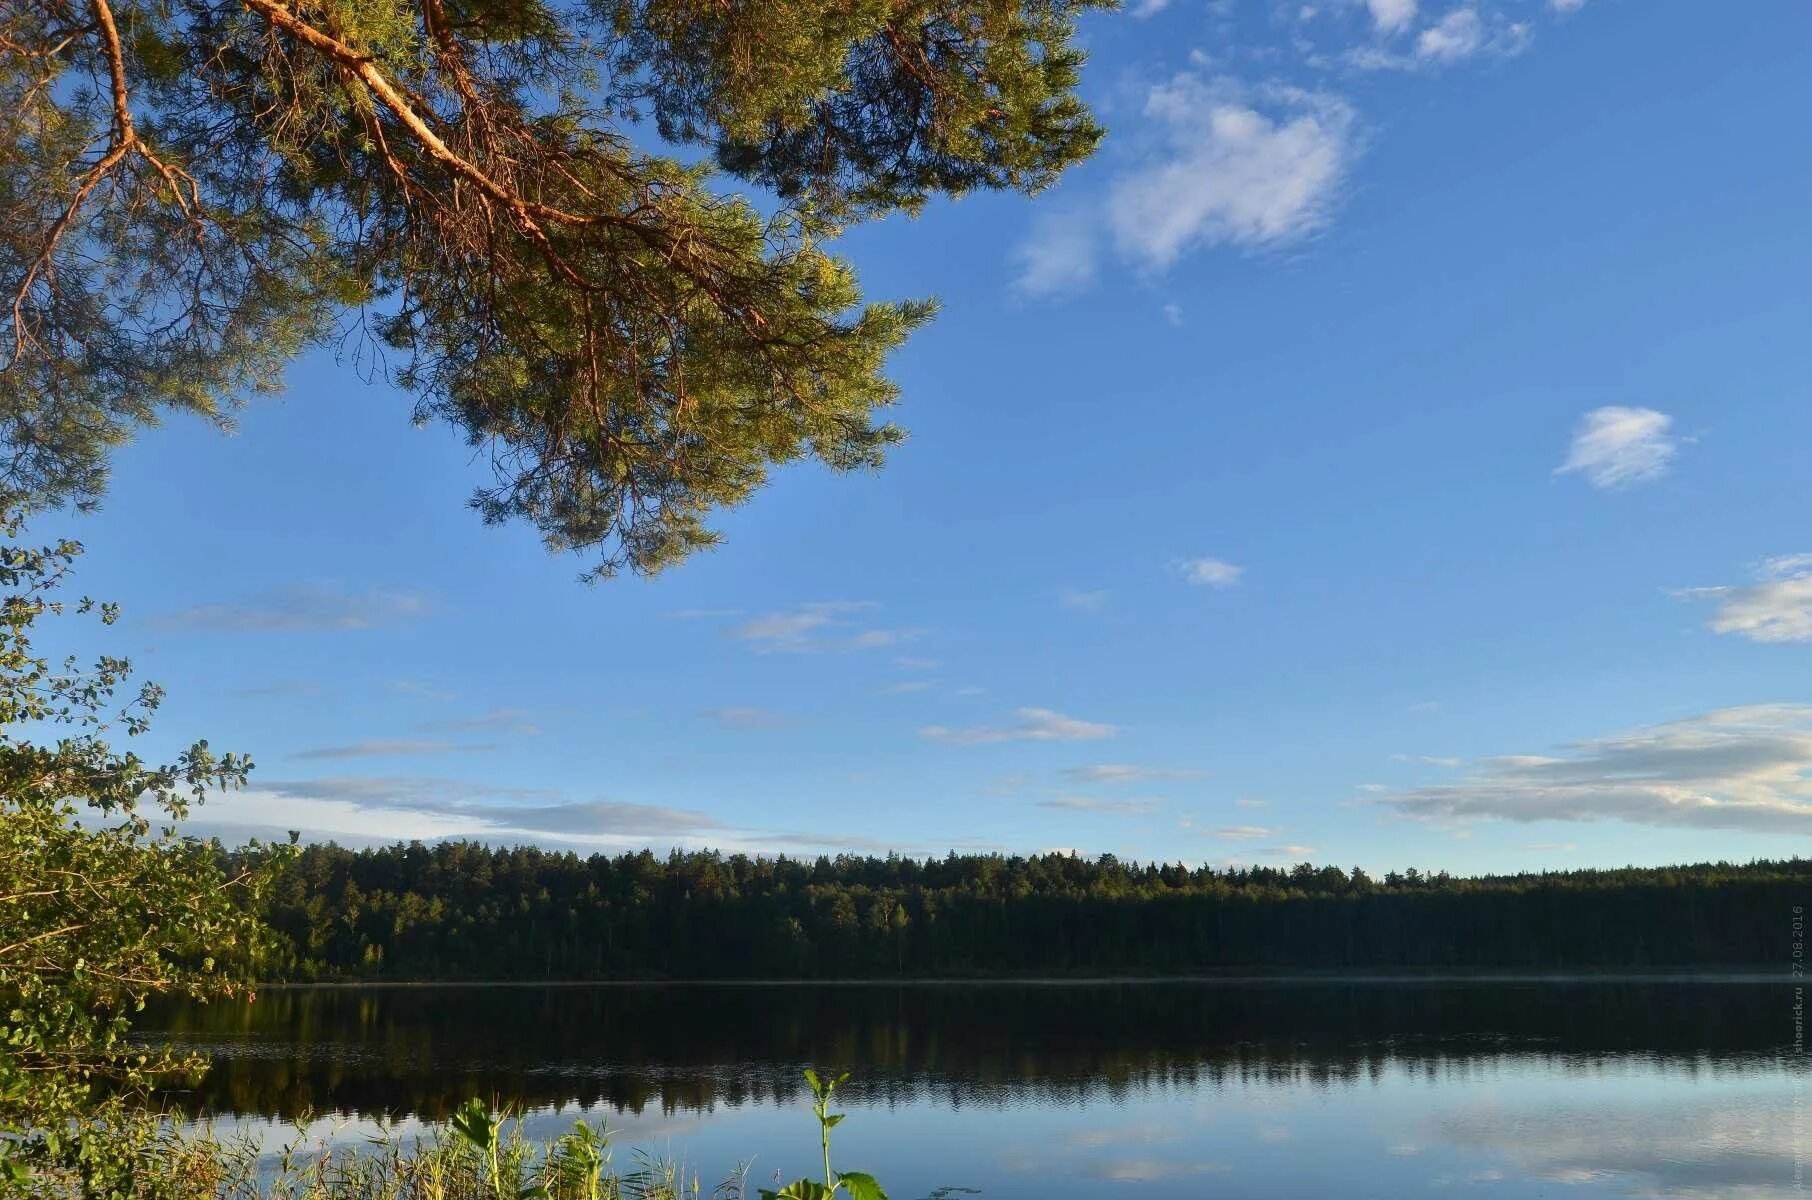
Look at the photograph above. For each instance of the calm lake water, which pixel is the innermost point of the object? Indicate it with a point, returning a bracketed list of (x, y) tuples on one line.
[(1273, 1090)]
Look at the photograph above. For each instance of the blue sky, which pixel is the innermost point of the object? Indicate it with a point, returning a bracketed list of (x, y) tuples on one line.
[(1388, 450)]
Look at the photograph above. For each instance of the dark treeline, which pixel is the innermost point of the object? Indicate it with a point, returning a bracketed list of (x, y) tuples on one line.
[(466, 911)]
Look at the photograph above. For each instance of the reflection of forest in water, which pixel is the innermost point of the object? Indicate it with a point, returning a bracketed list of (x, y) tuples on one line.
[(420, 1051)]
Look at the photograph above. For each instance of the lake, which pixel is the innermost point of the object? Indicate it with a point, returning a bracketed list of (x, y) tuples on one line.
[(1272, 1090)]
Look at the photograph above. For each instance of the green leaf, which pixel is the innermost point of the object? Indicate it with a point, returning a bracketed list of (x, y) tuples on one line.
[(860, 1185), (799, 1189)]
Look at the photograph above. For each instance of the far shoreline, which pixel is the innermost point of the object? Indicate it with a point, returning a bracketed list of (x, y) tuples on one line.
[(1245, 978)]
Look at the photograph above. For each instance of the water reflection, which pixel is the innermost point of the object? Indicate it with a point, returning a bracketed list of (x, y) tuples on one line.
[(1511, 1089)]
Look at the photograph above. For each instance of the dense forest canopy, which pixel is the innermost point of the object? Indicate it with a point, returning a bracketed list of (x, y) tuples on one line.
[(460, 910)]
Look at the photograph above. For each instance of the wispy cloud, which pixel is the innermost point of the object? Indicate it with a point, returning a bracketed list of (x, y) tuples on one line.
[(458, 808), (1125, 773), (381, 809), (1465, 32), (1458, 35), (1212, 160), (1034, 725), (821, 625), (1095, 804), (423, 688), (746, 718), (1227, 164), (393, 748), (302, 608), (1079, 600), (1617, 447), (1241, 833), (1776, 608), (1211, 572), (401, 791), (496, 720), (1392, 16), (280, 687), (1735, 768), (1061, 256)]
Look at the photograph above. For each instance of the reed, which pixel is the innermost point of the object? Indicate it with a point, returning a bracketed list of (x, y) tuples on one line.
[(481, 1153)]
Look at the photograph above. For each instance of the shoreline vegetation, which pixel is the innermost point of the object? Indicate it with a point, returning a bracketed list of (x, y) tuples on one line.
[(463, 912), (480, 1152), (1572, 975)]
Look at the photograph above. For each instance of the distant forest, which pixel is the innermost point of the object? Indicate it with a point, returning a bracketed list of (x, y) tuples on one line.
[(463, 911)]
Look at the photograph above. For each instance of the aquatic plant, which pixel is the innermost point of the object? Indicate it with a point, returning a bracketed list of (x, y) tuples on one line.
[(858, 1184)]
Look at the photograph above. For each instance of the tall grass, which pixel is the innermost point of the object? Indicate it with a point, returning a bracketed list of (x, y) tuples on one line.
[(478, 1155), (481, 1153)]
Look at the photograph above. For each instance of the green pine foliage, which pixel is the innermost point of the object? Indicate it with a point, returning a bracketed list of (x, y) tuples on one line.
[(593, 235)]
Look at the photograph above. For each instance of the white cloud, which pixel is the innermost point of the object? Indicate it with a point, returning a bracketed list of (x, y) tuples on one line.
[(1615, 447), (1458, 35), (1211, 572), (1392, 16), (743, 717), (1094, 804), (1431, 760), (397, 748), (1060, 257), (1125, 773), (1078, 600), (1463, 33), (496, 720), (818, 626), (1035, 725), (792, 629), (1249, 167), (1243, 833), (361, 810), (301, 608), (1218, 161), (425, 689), (1776, 608), (1737, 768), (1294, 851)]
